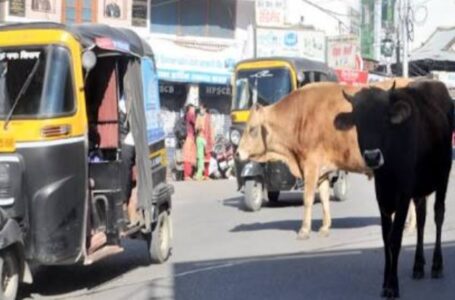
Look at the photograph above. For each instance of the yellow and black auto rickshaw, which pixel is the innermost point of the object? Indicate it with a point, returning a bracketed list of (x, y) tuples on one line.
[(62, 197), (266, 81)]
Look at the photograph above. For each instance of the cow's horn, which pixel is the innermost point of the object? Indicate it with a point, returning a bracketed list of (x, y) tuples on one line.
[(393, 86), (348, 97)]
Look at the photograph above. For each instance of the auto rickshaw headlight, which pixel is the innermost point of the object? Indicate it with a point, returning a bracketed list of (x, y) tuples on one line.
[(235, 137)]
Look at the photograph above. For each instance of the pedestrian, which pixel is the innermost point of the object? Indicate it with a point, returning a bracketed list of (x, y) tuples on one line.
[(200, 145), (189, 147), (204, 124), (128, 162)]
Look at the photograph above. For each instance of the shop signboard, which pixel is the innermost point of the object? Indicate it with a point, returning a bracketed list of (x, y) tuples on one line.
[(139, 13), (342, 52), (352, 77), (270, 13), (291, 43), (367, 29), (186, 64)]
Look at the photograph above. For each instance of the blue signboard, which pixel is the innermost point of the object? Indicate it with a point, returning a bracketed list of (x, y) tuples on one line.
[(155, 132)]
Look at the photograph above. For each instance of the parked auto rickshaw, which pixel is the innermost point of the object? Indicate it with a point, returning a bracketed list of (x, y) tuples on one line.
[(266, 81), (61, 190)]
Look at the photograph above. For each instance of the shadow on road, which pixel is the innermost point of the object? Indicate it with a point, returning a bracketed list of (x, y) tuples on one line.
[(294, 225), (53, 280), (333, 275), (287, 199)]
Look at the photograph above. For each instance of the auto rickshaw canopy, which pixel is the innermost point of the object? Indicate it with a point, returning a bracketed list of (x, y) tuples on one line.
[(299, 64), (92, 36)]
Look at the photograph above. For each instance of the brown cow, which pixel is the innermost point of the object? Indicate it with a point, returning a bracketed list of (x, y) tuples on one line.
[(299, 130)]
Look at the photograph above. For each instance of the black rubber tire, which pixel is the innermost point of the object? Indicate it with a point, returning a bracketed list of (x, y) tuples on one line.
[(252, 200), (273, 196), (159, 240), (9, 275), (340, 187)]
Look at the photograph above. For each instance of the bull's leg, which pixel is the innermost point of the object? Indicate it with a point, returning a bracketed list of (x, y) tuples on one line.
[(386, 226), (411, 221), (439, 209), (311, 179), (391, 289), (324, 194), (419, 261)]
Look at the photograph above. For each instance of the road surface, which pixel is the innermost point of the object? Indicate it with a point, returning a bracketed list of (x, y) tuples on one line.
[(221, 252)]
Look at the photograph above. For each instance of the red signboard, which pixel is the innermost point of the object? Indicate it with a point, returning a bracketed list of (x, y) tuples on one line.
[(352, 77)]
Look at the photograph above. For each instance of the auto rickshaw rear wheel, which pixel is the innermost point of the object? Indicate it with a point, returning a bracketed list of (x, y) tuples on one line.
[(252, 199), (9, 270), (159, 240)]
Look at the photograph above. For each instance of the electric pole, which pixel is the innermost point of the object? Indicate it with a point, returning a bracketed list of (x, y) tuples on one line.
[(377, 29), (403, 23)]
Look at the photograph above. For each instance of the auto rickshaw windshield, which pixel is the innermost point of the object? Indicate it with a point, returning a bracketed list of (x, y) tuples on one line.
[(35, 82), (263, 86)]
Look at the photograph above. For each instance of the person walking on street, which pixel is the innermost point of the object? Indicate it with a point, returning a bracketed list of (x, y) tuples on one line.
[(200, 145), (189, 147), (204, 124)]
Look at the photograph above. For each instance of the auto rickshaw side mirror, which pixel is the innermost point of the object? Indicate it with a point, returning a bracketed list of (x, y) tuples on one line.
[(88, 60)]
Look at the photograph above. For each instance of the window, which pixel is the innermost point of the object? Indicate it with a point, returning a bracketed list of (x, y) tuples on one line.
[(47, 6), (35, 82), (79, 11), (211, 18)]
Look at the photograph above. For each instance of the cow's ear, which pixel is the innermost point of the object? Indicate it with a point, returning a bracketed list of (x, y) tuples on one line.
[(348, 97), (344, 121), (399, 112)]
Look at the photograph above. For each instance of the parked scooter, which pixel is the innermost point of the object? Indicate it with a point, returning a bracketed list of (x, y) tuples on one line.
[(222, 159)]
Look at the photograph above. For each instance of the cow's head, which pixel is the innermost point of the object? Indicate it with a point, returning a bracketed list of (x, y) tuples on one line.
[(375, 113), (253, 142)]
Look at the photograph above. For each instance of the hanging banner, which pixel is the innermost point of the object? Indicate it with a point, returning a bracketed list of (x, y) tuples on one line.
[(291, 43)]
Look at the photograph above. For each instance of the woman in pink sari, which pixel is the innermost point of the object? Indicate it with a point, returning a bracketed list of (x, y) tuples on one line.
[(189, 147)]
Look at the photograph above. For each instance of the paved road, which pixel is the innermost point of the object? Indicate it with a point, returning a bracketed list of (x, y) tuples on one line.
[(222, 252)]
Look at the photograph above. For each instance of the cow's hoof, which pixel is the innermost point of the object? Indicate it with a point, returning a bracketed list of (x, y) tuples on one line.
[(418, 274), (390, 294), (436, 273), (324, 232), (303, 235)]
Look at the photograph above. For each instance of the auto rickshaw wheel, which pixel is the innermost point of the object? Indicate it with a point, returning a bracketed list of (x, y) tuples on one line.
[(159, 241), (252, 199), (340, 187), (9, 270)]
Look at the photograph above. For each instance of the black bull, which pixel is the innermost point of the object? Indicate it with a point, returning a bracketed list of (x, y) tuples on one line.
[(405, 136)]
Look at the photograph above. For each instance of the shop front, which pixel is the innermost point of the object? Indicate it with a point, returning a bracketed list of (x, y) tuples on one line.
[(194, 72)]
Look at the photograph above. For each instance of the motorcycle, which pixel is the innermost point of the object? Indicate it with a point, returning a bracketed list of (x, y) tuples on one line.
[(222, 158)]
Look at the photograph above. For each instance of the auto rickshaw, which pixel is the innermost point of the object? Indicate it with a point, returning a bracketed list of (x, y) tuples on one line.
[(62, 196), (266, 81)]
